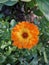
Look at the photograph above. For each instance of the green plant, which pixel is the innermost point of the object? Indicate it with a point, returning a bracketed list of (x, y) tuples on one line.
[(38, 11)]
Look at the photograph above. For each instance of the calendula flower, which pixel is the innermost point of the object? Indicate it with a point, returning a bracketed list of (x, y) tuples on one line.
[(25, 35)]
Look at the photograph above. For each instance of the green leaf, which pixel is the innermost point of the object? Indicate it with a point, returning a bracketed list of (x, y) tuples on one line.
[(45, 56), (8, 64), (11, 3), (26, 0), (2, 1), (8, 52), (2, 58), (30, 4), (44, 7), (13, 23)]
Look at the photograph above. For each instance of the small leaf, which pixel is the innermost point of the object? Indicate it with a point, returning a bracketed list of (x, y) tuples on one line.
[(13, 23)]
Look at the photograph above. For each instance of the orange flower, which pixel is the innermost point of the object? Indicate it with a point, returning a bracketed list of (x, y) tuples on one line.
[(25, 35)]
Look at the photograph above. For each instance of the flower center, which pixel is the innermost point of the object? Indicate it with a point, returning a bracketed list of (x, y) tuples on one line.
[(25, 35)]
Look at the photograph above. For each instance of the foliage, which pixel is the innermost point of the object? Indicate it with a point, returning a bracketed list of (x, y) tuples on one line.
[(9, 54), (44, 7), (8, 2)]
